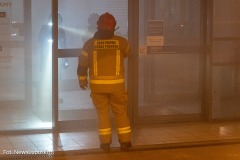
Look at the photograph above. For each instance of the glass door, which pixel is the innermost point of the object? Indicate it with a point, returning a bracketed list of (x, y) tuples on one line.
[(169, 61), (77, 23), (225, 60), (25, 85)]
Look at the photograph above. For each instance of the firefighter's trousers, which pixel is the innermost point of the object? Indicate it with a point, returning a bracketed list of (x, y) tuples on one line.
[(117, 101)]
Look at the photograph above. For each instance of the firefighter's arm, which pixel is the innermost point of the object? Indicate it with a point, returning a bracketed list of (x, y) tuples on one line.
[(82, 77), (82, 70)]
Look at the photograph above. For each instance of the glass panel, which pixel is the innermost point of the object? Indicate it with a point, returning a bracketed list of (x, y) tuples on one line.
[(226, 24), (226, 60), (79, 24), (23, 86), (225, 52), (42, 59), (169, 58), (226, 91)]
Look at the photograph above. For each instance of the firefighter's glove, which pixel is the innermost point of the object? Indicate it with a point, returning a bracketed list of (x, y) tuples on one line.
[(83, 84)]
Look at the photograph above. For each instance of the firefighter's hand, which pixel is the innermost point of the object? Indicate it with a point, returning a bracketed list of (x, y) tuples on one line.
[(83, 84)]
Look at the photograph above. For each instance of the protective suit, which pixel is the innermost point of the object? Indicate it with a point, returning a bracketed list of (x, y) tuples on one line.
[(104, 56)]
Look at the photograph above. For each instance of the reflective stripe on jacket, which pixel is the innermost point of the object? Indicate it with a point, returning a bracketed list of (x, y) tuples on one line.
[(105, 59)]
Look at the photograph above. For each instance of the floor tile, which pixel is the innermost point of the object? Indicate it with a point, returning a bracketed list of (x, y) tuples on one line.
[(142, 135)]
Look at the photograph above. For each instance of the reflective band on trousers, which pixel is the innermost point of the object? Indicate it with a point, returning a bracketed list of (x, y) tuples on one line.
[(124, 130), (105, 131), (115, 81)]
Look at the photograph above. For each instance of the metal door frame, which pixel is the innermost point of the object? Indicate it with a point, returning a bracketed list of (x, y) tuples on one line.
[(136, 119), (57, 53), (133, 36)]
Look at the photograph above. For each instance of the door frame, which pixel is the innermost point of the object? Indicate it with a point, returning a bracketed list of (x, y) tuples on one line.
[(60, 53), (136, 119), (132, 83)]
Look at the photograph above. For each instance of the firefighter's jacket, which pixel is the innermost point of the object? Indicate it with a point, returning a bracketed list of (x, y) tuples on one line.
[(105, 60)]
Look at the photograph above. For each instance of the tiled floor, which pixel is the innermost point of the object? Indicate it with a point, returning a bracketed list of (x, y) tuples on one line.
[(172, 133)]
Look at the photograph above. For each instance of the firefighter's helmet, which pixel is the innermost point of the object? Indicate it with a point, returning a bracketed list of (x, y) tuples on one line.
[(106, 22)]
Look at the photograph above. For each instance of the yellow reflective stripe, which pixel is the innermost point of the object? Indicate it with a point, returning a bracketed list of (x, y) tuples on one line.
[(124, 130), (116, 81), (82, 77), (105, 131), (95, 68), (108, 77), (84, 53), (118, 62)]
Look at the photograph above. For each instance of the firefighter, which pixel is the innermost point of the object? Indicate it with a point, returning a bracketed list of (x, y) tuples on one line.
[(91, 28), (45, 49), (45, 39), (102, 60)]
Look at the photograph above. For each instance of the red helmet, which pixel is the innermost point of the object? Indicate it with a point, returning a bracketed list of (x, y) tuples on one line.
[(106, 22)]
